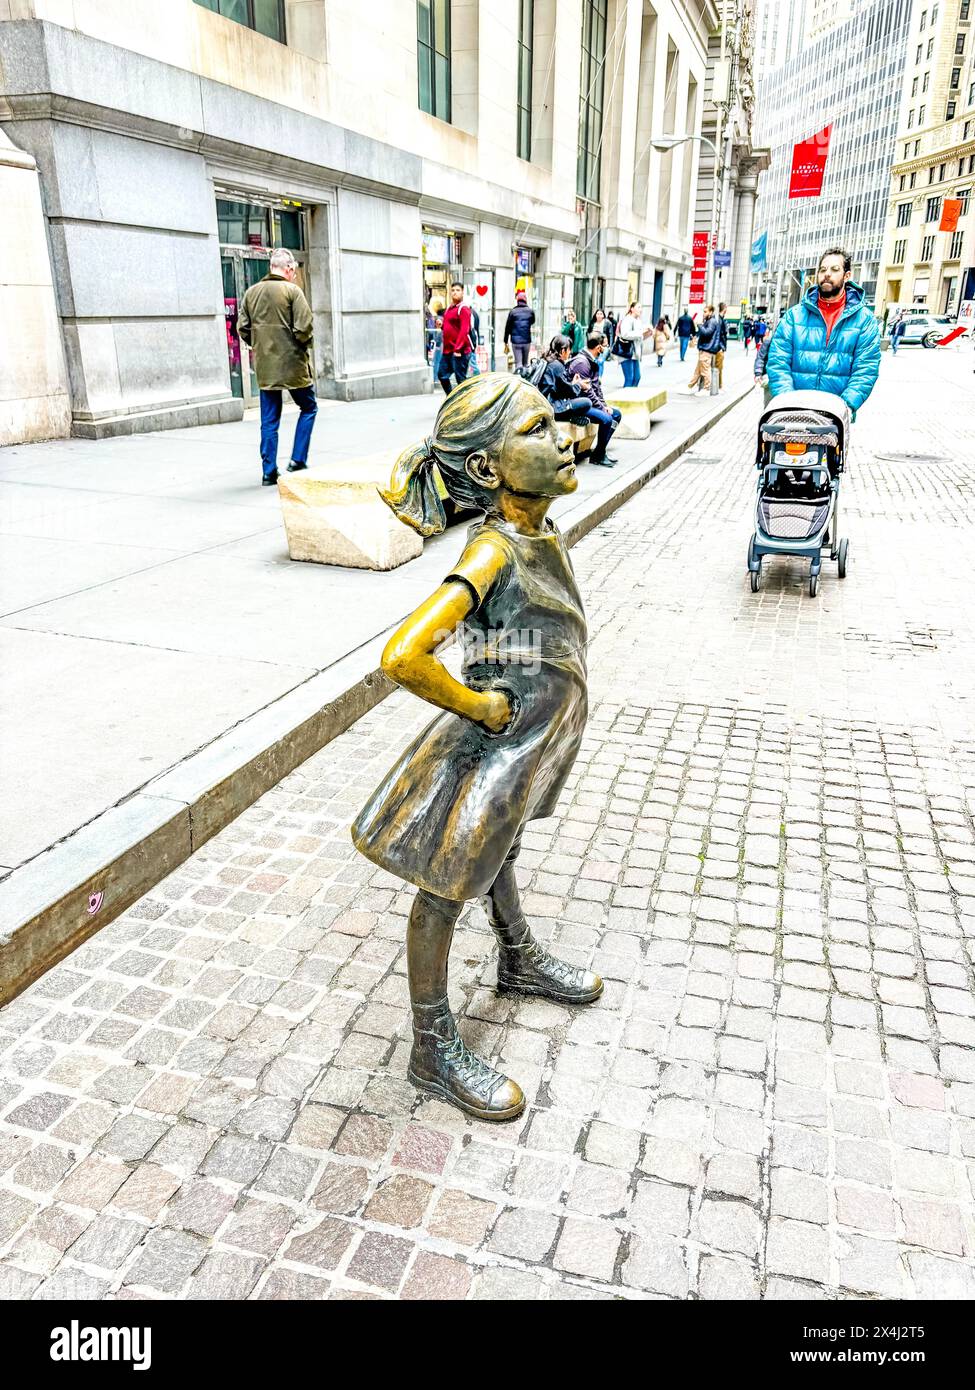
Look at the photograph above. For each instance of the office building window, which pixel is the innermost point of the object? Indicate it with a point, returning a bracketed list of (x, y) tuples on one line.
[(903, 214), (971, 95), (933, 210), (955, 79), (591, 85), (954, 252), (964, 197), (914, 86), (910, 119), (920, 113), (963, 12), (913, 180), (950, 111), (899, 248), (934, 13), (959, 43), (927, 79), (927, 248), (526, 28), (264, 16), (930, 47), (433, 57), (931, 174), (900, 186), (924, 19), (941, 172)]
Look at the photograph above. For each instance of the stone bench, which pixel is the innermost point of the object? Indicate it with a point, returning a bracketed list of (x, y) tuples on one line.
[(636, 404), (333, 515), (583, 436)]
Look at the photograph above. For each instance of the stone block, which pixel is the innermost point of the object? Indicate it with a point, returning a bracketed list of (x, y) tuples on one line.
[(636, 405), (583, 437), (336, 522)]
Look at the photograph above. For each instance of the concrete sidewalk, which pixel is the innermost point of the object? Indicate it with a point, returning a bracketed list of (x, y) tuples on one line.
[(164, 661)]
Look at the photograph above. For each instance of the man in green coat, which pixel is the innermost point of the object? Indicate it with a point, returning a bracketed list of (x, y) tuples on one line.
[(276, 322)]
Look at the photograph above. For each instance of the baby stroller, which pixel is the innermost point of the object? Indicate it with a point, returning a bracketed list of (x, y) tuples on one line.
[(803, 437)]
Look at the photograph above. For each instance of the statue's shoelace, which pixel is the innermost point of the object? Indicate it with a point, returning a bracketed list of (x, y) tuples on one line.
[(468, 1067), (566, 974)]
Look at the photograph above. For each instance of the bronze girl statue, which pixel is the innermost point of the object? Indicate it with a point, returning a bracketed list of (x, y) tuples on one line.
[(449, 815)]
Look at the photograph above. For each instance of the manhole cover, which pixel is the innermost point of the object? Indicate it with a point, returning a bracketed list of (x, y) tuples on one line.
[(913, 458), (698, 458)]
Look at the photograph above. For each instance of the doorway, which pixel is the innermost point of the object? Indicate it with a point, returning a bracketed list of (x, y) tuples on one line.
[(658, 295), (248, 233)]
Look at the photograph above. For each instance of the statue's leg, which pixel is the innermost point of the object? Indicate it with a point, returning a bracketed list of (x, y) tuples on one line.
[(440, 1062), (525, 967)]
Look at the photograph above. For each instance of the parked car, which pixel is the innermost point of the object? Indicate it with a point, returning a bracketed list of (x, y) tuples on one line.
[(927, 329)]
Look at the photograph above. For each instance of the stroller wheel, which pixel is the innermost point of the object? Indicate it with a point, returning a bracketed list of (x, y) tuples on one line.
[(813, 585), (841, 555), (756, 578)]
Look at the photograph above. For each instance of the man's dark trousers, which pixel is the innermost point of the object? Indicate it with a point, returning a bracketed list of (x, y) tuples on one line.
[(453, 364), (304, 399), (607, 420)]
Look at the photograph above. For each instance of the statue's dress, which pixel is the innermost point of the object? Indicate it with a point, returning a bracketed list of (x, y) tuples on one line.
[(448, 811)]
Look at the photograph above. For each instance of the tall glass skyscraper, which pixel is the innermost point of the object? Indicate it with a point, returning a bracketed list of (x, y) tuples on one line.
[(851, 78)]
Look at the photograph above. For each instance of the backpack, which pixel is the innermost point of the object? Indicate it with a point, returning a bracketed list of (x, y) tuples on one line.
[(533, 374)]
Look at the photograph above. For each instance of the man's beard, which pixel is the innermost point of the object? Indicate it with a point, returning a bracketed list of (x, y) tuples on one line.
[(828, 291)]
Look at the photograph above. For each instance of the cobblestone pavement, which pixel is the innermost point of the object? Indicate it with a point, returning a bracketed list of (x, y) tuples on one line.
[(767, 849)]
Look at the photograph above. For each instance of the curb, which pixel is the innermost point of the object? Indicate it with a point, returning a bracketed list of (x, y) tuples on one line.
[(53, 904)]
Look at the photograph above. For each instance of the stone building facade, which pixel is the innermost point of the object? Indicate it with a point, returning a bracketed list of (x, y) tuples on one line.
[(393, 147), (934, 159), (728, 123)]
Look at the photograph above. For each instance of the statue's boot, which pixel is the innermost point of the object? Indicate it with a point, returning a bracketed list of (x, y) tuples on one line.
[(524, 966), (440, 1062)]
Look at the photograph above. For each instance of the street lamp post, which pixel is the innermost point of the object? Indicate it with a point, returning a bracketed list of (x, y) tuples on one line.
[(669, 142)]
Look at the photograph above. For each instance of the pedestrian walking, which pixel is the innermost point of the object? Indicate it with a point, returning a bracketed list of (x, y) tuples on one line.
[(708, 345), (719, 355), (456, 351), (746, 330), (830, 340), (898, 329), (759, 330), (630, 344), (275, 320), (583, 370), (686, 330), (574, 331), (661, 337), (475, 340), (518, 331), (760, 365)]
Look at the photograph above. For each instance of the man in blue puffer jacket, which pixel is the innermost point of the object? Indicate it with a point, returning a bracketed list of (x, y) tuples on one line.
[(829, 341)]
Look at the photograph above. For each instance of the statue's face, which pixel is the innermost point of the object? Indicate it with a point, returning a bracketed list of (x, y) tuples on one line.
[(537, 459)]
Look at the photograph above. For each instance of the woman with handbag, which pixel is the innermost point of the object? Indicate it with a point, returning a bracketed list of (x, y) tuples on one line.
[(630, 344)]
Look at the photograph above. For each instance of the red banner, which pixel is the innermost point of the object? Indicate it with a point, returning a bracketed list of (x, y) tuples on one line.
[(809, 165), (950, 212), (699, 244)]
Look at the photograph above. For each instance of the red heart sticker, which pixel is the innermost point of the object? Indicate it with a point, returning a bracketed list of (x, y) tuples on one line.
[(481, 289)]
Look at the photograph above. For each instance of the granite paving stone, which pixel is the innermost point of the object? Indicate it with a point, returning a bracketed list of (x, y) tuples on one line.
[(775, 1096)]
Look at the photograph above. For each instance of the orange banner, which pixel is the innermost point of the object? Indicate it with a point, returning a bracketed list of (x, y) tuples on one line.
[(950, 211)]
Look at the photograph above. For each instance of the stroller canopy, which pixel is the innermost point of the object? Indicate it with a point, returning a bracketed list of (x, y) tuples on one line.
[(801, 411)]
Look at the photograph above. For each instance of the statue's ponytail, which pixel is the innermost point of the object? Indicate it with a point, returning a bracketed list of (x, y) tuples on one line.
[(412, 492)]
